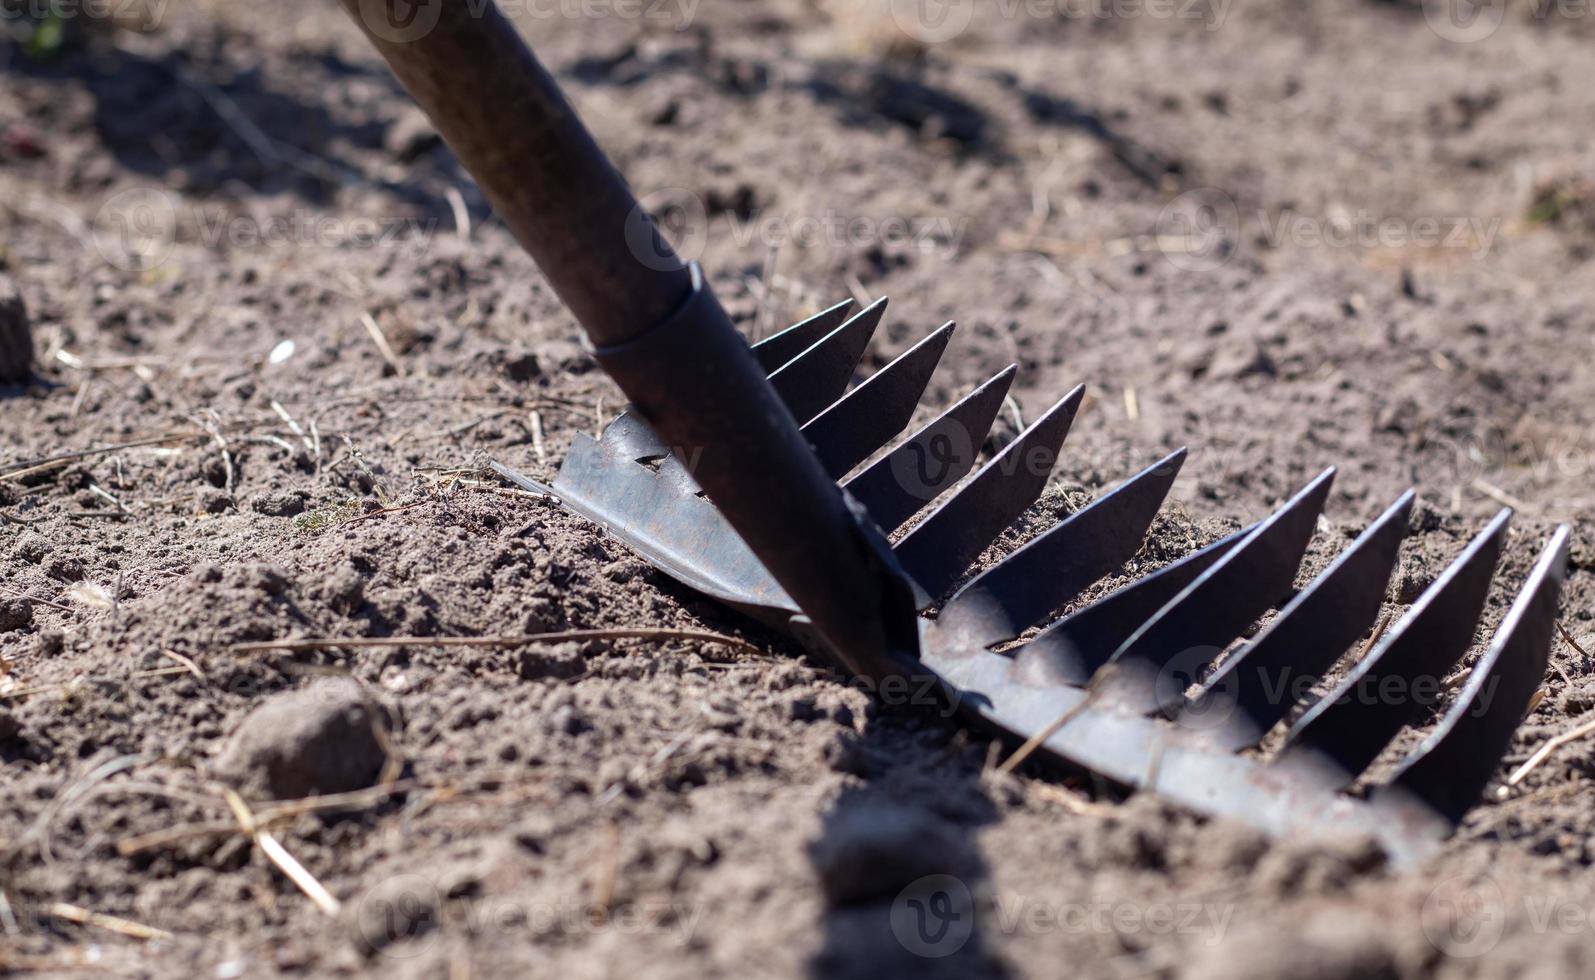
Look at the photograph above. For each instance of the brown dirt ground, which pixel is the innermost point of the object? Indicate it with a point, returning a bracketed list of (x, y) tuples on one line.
[(740, 813)]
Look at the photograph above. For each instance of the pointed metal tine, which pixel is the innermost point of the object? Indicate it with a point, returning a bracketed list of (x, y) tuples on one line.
[(1071, 650), (818, 376), (775, 350), (1336, 738), (1055, 566), (1166, 655), (894, 488), (942, 546), (1259, 685), (1450, 769), (870, 415)]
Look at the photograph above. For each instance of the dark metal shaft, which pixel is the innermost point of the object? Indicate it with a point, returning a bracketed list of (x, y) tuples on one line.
[(656, 328)]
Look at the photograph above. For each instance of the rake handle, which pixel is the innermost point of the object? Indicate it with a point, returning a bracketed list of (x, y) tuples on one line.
[(655, 326)]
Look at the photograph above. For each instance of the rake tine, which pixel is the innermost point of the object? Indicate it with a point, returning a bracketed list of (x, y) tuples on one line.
[(1450, 769), (1254, 689), (1071, 650), (1158, 662), (775, 350), (941, 547), (1337, 737), (818, 376), (870, 415), (1057, 565), (893, 488)]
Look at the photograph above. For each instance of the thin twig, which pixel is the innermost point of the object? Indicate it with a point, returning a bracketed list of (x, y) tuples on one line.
[(567, 636), (1500, 496), (1035, 741), (462, 216), (39, 465), (278, 855), (1569, 638), (1544, 752), (537, 438), (110, 923), (381, 340)]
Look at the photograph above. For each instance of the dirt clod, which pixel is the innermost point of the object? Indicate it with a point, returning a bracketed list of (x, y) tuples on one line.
[(16, 335), (322, 739), (15, 614)]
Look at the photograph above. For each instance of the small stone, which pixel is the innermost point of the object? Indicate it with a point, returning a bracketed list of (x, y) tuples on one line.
[(345, 589), (31, 548), (49, 643), (16, 335), (10, 727), (15, 614), (280, 503), (214, 501), (560, 661), (65, 568), (523, 367), (321, 739)]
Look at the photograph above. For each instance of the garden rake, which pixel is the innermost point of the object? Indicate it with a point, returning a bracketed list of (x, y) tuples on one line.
[(757, 476)]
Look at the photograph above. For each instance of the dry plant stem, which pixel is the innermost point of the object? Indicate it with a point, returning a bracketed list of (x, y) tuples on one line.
[(322, 643), (41, 464), (278, 855), (1035, 741), (1544, 751), (110, 923), (380, 339)]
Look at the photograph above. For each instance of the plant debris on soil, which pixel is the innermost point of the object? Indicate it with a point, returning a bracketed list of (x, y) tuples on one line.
[(260, 338)]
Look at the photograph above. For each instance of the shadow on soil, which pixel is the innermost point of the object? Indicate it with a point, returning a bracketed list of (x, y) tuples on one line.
[(906, 885)]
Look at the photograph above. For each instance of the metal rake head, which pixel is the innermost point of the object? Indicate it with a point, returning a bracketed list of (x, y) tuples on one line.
[(1125, 685)]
